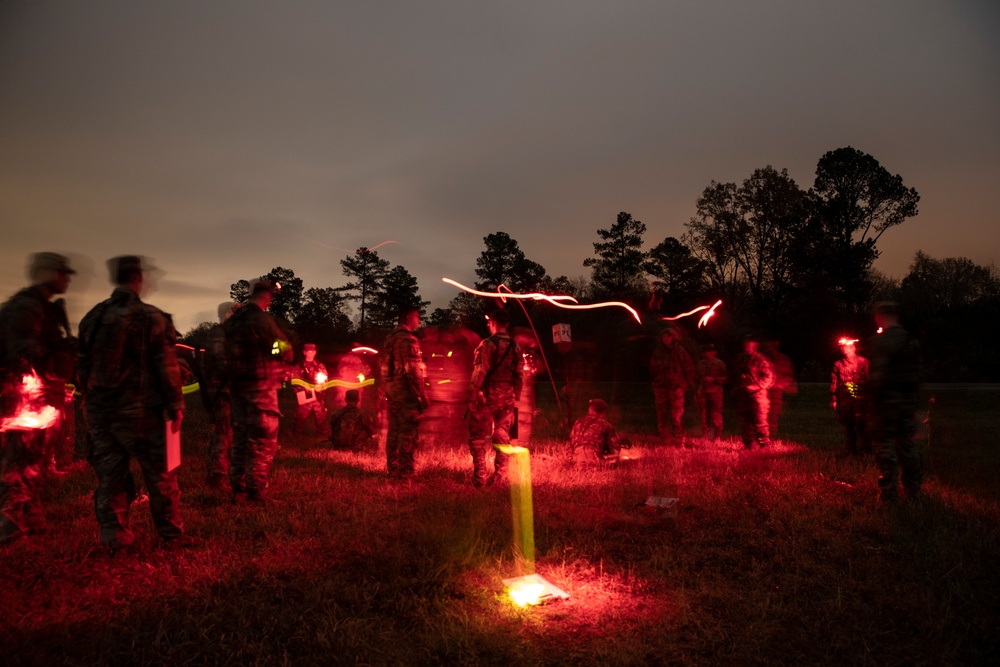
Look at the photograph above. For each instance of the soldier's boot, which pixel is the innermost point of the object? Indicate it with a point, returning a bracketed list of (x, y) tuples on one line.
[(499, 468)]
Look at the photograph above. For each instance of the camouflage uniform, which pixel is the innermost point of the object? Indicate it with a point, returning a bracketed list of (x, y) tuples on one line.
[(712, 377), (352, 429), (754, 376), (35, 338), (893, 383), (131, 381), (309, 371), (256, 353), (672, 371), (217, 398), (494, 390), (404, 375), (848, 386), (593, 442)]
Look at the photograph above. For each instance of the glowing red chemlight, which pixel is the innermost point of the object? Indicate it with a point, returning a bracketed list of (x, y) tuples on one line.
[(556, 300), (847, 341), (31, 413), (320, 378), (704, 318)]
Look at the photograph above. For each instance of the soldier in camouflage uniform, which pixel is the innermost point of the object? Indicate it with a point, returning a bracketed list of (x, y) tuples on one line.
[(351, 428), (784, 383), (313, 372), (712, 378), (672, 372), (593, 441), (215, 395), (893, 383), (754, 376), (848, 384), (404, 376), (131, 383), (257, 352), (494, 390), (34, 338)]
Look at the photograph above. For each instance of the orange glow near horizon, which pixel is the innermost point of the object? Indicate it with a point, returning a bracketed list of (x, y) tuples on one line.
[(555, 300)]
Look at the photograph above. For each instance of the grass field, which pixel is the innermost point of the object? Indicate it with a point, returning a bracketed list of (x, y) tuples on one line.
[(781, 556)]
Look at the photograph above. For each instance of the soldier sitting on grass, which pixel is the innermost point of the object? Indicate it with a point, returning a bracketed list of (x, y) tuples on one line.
[(350, 428), (593, 440)]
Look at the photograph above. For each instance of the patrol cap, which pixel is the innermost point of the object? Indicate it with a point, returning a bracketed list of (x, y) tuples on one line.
[(309, 347), (669, 330), (258, 285), (48, 261), (123, 267), (887, 308), (598, 404), (351, 396), (499, 316)]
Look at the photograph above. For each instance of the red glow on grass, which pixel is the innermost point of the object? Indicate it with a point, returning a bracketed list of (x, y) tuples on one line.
[(555, 300)]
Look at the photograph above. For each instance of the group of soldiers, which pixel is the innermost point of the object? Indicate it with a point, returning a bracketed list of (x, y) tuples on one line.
[(760, 379), (124, 365)]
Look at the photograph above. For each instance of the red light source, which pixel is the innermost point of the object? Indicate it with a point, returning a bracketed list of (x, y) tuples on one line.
[(556, 300)]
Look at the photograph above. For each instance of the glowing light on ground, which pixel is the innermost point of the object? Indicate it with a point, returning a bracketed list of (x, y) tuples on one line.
[(529, 588), (704, 318), (561, 301), (31, 414)]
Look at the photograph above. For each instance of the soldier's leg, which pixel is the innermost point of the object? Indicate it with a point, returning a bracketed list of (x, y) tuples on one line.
[(150, 450), (408, 438), (503, 419), (661, 400), (677, 416), (715, 410), (762, 430), (262, 448), (221, 441), (480, 430), (20, 470), (845, 416), (241, 444), (884, 443), (910, 460), (115, 485), (392, 436)]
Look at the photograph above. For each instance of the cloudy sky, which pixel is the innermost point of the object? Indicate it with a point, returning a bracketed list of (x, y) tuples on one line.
[(223, 139)]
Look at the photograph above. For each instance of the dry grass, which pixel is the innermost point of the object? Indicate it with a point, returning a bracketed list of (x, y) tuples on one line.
[(777, 557)]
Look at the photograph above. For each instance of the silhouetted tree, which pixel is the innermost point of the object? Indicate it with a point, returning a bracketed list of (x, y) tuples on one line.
[(398, 290), (617, 268), (503, 263), (368, 271), (678, 276), (323, 318)]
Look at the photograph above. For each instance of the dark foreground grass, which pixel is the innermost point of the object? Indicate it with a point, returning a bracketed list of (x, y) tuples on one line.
[(780, 556)]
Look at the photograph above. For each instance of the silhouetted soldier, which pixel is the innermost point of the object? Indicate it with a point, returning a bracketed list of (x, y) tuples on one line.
[(848, 385), (593, 441), (754, 377), (35, 338), (217, 398), (131, 383), (351, 428), (712, 378), (784, 383), (403, 375), (893, 383), (494, 389), (257, 352), (672, 372)]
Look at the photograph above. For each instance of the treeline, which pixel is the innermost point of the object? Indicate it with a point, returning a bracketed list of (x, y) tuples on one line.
[(789, 264)]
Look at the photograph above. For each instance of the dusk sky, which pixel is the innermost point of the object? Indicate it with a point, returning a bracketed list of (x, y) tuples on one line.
[(222, 139)]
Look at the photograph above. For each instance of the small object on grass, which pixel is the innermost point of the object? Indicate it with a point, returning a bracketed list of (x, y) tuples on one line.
[(532, 589)]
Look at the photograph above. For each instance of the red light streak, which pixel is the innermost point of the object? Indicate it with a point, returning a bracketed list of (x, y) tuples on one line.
[(704, 318), (556, 300), (364, 350)]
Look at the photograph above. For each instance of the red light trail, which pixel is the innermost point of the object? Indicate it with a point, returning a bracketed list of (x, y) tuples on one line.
[(556, 300), (704, 318)]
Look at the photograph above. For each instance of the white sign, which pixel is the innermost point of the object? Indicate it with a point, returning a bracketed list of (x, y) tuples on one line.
[(561, 334)]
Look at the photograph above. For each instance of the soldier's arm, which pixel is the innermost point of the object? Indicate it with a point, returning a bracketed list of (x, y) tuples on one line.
[(414, 367), (517, 376), (24, 348)]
